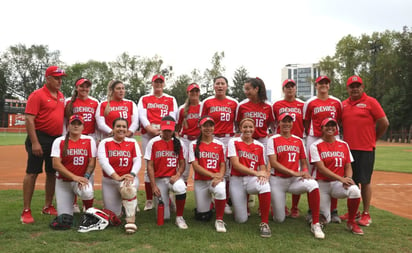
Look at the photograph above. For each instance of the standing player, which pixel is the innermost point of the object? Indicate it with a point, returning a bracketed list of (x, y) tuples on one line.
[(74, 159), (44, 123), (114, 107), (207, 156), (364, 122), (223, 111), (294, 106), (287, 155), (165, 165), (249, 175), (152, 108), (120, 159), (317, 109), (333, 171), (188, 120)]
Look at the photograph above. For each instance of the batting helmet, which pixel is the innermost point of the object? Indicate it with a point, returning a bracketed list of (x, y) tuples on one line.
[(93, 219)]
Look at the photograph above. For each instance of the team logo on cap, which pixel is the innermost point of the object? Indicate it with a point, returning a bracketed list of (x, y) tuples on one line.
[(354, 79)]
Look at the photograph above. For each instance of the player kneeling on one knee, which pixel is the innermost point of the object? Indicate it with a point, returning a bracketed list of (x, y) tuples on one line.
[(287, 157), (166, 164), (333, 171)]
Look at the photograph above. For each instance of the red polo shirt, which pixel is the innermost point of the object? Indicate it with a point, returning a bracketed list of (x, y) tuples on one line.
[(359, 122), (48, 111)]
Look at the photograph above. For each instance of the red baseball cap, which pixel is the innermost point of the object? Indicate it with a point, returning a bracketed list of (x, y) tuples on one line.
[(327, 120), (76, 117), (320, 78), (206, 119), (54, 71), (192, 86), (167, 125), (284, 115), (82, 81), (155, 77), (288, 81), (354, 79)]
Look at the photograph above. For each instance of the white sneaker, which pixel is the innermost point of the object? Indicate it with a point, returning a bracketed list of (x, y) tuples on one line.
[(317, 231), (148, 205), (181, 223), (228, 210), (76, 208), (220, 226)]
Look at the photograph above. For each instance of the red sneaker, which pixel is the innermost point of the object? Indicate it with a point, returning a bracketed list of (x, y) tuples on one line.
[(346, 216), (352, 226), (50, 210), (365, 219), (26, 217), (287, 213), (294, 212)]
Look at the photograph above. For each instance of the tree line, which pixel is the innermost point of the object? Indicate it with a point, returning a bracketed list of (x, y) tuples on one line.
[(382, 59)]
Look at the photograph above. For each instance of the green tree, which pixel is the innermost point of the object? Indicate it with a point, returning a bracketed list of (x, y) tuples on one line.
[(178, 89), (217, 69), (239, 79)]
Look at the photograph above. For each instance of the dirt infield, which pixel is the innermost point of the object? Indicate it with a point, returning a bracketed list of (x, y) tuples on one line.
[(391, 191)]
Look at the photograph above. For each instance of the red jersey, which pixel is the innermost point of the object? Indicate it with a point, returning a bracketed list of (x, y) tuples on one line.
[(119, 155), (261, 113), (295, 109), (86, 108), (223, 113), (359, 122), (288, 151), (125, 109), (152, 109), (334, 155), (316, 110), (48, 111), (250, 155), (192, 118), (210, 157), (77, 155), (165, 161)]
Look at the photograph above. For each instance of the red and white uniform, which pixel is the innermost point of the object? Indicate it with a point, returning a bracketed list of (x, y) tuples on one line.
[(295, 109), (261, 113), (120, 157), (87, 109), (252, 156), (47, 110), (76, 161), (359, 121), (289, 152), (165, 164), (125, 109), (211, 156), (334, 156)]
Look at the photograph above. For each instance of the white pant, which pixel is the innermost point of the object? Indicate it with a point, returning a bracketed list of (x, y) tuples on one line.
[(164, 185), (112, 199), (65, 192), (280, 186), (239, 188), (205, 192), (186, 142), (335, 190)]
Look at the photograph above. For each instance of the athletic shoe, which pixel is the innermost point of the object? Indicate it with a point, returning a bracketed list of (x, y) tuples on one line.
[(317, 231), (346, 216), (148, 205), (181, 223), (265, 230), (294, 213), (365, 219), (251, 202), (50, 210), (228, 210), (334, 218), (26, 217), (130, 228), (76, 208), (220, 226), (352, 226), (287, 213)]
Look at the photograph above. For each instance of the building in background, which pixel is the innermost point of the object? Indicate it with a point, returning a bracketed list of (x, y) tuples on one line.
[(304, 76)]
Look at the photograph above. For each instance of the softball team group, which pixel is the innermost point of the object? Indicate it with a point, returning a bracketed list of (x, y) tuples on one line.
[(237, 150)]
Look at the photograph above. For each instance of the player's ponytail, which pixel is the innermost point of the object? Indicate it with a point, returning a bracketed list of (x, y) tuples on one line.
[(176, 144), (66, 144), (197, 149), (257, 82)]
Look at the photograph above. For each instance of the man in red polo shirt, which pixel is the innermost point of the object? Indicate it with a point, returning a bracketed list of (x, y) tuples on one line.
[(44, 123), (364, 122)]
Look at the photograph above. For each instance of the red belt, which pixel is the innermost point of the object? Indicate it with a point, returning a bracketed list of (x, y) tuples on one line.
[(190, 137), (224, 135)]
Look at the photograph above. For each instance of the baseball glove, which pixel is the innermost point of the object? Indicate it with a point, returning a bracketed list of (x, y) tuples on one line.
[(62, 222)]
